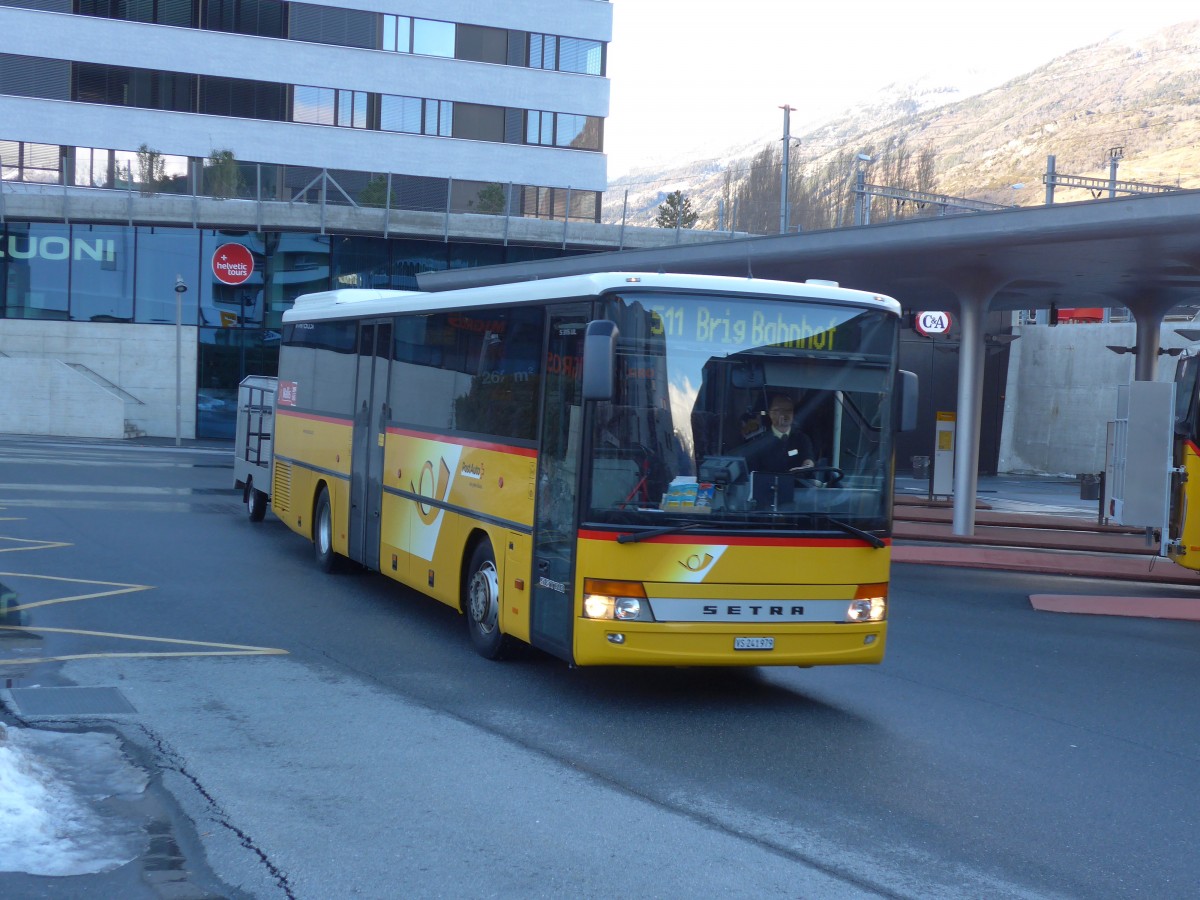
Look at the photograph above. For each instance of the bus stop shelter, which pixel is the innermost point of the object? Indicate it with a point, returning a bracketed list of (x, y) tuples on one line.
[(1141, 252)]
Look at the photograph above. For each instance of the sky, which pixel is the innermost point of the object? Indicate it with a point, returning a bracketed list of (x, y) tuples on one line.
[(690, 80)]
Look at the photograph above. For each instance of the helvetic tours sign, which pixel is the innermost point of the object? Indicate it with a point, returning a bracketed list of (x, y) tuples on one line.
[(931, 323), (232, 264)]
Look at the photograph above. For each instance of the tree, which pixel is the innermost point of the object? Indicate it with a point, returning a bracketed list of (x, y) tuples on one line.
[(676, 212), (152, 170), (224, 174), (374, 193), (491, 199)]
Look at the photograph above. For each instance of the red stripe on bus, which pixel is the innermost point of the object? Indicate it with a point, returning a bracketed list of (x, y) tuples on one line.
[(731, 541), (312, 417), (464, 442), (1191, 445)]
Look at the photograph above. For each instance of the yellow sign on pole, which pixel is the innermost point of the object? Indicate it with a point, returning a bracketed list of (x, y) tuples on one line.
[(942, 482)]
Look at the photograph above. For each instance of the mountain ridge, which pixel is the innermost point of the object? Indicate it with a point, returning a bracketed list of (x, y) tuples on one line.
[(1135, 90)]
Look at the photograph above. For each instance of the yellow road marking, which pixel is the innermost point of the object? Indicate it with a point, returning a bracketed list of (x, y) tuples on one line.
[(215, 649), (42, 545), (122, 589), (210, 648)]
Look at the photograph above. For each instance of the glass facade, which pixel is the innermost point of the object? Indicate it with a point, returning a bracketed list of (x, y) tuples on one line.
[(329, 24), (116, 273)]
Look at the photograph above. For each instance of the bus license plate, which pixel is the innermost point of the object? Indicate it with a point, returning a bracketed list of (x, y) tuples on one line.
[(754, 643)]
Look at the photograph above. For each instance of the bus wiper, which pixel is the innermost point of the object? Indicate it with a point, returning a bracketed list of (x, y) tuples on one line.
[(636, 536), (873, 539)]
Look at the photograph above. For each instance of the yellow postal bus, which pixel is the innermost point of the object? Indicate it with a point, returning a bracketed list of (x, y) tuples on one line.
[(574, 463)]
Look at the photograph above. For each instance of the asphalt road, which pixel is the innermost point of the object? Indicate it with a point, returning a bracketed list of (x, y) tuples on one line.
[(321, 736)]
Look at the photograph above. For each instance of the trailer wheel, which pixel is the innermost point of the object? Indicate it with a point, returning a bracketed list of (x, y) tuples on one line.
[(256, 503), (481, 603), (327, 560)]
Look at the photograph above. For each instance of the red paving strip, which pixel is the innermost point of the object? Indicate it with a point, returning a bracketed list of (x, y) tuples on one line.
[(934, 515), (1147, 569), (1044, 536), (1187, 608)]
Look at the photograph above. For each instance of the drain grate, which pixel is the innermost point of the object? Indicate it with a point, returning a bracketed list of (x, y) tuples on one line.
[(70, 701)]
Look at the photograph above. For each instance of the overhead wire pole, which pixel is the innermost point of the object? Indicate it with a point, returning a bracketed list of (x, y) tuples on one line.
[(783, 188)]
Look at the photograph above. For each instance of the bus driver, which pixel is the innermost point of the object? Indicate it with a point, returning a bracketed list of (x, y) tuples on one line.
[(783, 447)]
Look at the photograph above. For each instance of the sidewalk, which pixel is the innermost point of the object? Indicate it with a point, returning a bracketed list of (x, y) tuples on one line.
[(1041, 525)]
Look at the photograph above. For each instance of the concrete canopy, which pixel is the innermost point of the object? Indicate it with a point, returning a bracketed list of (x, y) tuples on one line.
[(1142, 252)]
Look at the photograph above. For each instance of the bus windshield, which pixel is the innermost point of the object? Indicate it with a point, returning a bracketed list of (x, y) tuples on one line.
[(745, 412)]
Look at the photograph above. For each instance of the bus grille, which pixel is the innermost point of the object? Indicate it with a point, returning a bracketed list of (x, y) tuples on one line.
[(281, 490)]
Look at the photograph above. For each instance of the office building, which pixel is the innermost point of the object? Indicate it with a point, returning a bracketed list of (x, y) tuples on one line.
[(248, 151)]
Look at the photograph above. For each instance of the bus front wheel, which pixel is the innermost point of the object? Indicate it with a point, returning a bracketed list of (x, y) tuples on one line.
[(481, 603), (327, 560)]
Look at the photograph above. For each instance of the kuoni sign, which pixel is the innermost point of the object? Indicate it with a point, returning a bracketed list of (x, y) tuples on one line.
[(232, 264), (932, 322)]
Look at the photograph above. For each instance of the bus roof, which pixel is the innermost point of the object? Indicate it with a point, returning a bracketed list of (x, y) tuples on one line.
[(365, 303)]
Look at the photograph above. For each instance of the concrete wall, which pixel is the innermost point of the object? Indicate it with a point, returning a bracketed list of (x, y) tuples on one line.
[(41, 394), (1062, 393), (45, 396)]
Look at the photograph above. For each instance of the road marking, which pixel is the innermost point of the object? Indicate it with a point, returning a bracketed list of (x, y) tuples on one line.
[(216, 649), (41, 545), (122, 588)]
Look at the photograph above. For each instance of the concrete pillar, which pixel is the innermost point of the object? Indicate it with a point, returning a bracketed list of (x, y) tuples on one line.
[(1148, 319), (971, 355)]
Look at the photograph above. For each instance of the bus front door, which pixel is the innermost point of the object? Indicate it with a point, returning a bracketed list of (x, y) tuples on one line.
[(555, 516), (371, 413)]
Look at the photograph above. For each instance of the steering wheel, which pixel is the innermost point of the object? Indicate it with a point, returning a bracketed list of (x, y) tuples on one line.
[(832, 473)]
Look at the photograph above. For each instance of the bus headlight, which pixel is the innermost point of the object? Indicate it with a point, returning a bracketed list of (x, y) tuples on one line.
[(621, 600), (867, 609)]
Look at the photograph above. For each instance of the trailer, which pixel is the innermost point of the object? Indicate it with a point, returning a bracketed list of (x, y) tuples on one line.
[(253, 450)]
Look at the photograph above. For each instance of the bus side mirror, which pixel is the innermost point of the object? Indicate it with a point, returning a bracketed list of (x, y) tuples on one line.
[(599, 359), (905, 401)]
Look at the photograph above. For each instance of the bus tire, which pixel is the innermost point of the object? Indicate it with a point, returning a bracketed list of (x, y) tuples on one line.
[(481, 603), (327, 560), (256, 503)]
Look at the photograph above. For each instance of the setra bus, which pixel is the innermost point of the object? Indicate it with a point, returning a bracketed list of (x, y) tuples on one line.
[(567, 461)]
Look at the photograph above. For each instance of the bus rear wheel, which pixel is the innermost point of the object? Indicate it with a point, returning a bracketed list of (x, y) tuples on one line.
[(256, 503), (327, 560), (481, 603)]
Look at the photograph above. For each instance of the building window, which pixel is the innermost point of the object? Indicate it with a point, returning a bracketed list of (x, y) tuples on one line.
[(439, 118), (22, 161), (102, 273), (396, 34), (91, 167), (400, 114), (314, 105), (181, 13), (143, 88), (432, 38), (352, 109), (481, 44), (36, 258), (578, 55), (262, 18), (565, 54), (163, 254), (476, 122), (333, 25), (328, 106), (564, 130)]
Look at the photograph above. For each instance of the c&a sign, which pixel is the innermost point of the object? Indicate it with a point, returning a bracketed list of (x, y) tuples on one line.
[(932, 322)]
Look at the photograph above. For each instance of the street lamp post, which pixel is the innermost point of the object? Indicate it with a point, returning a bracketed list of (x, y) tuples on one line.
[(180, 290), (783, 189)]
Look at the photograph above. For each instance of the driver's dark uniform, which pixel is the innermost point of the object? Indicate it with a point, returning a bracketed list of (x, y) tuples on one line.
[(771, 453)]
